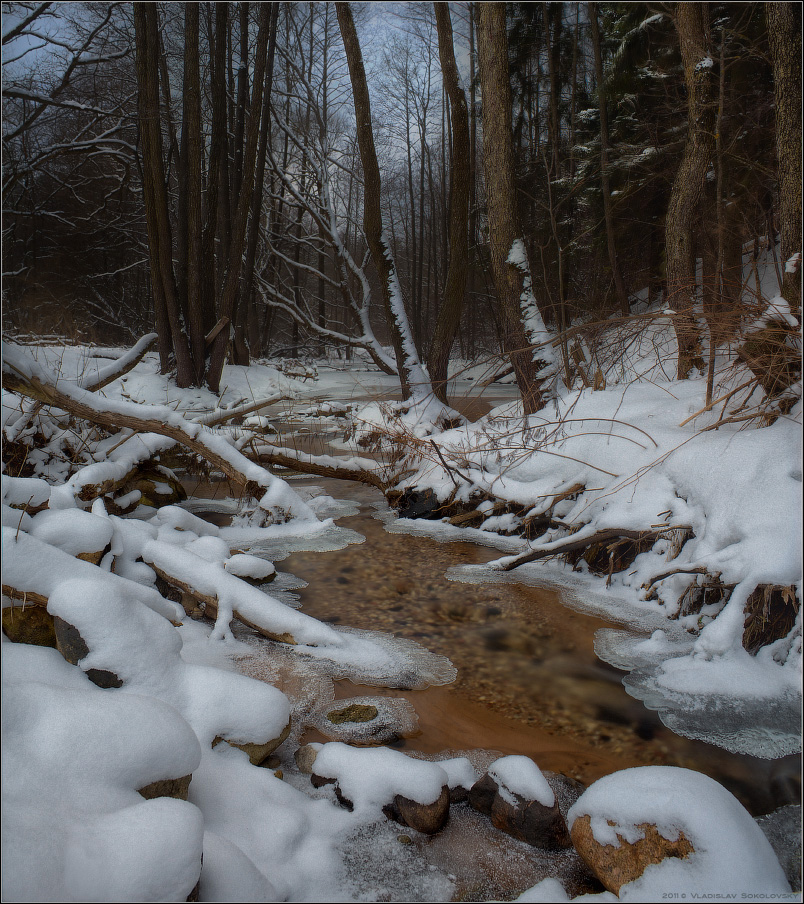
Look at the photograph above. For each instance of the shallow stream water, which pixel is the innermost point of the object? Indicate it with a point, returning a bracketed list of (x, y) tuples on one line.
[(528, 682)]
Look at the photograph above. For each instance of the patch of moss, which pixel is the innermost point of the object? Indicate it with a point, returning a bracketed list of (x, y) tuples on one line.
[(355, 712)]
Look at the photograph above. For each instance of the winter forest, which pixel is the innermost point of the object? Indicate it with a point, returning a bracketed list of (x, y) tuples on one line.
[(401, 451)]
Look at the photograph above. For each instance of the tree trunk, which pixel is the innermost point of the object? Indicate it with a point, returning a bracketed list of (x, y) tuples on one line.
[(247, 287), (154, 188), (450, 312), (239, 345), (411, 240), (238, 231), (784, 37), (472, 185), (552, 41), (504, 226), (217, 152), (619, 285), (685, 197), (191, 142), (411, 374)]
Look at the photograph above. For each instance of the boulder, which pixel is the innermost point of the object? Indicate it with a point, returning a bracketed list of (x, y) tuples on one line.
[(168, 787), (85, 535), (29, 624), (616, 866), (411, 791), (782, 828), (73, 648), (425, 818), (527, 820), (258, 754), (157, 485), (305, 758), (354, 712), (482, 794), (365, 721), (531, 822), (318, 781)]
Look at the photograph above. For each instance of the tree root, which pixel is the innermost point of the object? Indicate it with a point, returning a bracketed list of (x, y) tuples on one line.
[(608, 540)]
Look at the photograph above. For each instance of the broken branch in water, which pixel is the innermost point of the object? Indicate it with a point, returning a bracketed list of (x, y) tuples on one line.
[(362, 470), (220, 417)]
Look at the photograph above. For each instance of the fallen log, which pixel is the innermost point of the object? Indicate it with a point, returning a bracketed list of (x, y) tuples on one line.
[(360, 469), (220, 417), (23, 375), (574, 543), (26, 597)]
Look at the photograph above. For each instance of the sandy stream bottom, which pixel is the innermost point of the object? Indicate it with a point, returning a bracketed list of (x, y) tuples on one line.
[(528, 680)]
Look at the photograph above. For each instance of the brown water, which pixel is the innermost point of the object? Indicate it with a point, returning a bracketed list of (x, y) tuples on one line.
[(528, 678)]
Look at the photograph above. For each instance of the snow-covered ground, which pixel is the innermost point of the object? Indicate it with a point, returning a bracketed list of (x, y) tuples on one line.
[(75, 755)]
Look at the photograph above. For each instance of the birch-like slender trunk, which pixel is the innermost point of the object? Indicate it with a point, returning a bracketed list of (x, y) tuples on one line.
[(411, 374)]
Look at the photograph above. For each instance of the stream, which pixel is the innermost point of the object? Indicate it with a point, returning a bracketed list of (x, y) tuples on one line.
[(528, 681)]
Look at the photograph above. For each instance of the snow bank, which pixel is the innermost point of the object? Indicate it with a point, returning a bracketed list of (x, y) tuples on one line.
[(74, 757)]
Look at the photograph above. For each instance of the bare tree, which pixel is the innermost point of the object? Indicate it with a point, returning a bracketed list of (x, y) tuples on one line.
[(622, 295), (411, 374), (455, 288), (784, 37), (504, 227), (168, 313), (315, 218), (692, 25)]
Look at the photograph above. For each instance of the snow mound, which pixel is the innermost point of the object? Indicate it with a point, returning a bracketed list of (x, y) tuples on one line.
[(731, 853)]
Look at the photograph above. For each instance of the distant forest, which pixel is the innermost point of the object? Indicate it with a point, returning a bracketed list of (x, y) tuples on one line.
[(260, 179)]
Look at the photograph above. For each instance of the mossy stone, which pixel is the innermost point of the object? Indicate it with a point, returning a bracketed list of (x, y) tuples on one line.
[(355, 712), (31, 624)]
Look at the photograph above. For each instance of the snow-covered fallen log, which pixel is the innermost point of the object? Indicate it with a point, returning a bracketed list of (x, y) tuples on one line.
[(24, 375), (363, 470), (120, 366)]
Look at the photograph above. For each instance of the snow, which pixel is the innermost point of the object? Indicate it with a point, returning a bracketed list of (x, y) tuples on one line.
[(520, 775), (25, 491), (371, 777), (245, 566), (74, 532), (731, 853), (75, 827)]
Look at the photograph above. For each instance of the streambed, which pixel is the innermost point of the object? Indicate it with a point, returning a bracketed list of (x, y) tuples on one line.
[(528, 680)]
